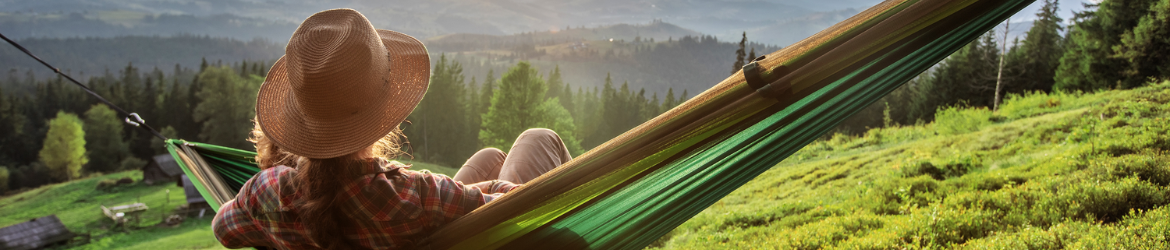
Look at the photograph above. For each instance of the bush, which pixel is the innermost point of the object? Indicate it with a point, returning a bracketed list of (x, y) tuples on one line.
[(132, 163), (954, 168), (3, 180), (1109, 201), (960, 120), (109, 184), (896, 195), (1152, 167)]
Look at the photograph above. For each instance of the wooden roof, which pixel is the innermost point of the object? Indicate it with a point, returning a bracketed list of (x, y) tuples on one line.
[(193, 195), (167, 164), (34, 234)]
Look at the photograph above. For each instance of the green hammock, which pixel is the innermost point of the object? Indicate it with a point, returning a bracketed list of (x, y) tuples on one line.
[(635, 188)]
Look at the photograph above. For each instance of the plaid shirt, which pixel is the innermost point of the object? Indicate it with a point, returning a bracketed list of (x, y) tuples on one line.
[(390, 211)]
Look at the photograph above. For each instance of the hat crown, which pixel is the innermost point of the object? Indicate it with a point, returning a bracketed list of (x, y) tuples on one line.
[(333, 92), (336, 65)]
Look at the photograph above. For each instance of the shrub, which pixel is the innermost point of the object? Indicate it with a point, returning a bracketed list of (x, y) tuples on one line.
[(106, 185), (1105, 201), (1151, 167), (3, 179), (923, 168), (954, 168), (959, 120), (132, 163), (896, 195)]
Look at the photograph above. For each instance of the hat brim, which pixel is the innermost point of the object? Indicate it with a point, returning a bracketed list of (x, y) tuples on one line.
[(284, 124)]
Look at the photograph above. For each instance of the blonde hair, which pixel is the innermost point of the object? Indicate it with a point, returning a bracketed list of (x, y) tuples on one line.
[(320, 182), (269, 155)]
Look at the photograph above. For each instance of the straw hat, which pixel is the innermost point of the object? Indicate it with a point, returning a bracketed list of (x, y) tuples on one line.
[(341, 85)]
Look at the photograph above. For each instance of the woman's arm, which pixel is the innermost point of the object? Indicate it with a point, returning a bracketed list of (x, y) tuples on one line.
[(495, 186)]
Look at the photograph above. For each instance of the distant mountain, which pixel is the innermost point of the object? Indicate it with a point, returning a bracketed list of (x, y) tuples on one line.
[(725, 19), (86, 57), (132, 23), (659, 30)]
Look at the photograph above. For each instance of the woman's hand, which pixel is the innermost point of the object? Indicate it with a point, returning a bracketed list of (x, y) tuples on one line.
[(485, 186)]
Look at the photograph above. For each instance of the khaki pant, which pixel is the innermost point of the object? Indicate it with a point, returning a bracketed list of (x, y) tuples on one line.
[(535, 152)]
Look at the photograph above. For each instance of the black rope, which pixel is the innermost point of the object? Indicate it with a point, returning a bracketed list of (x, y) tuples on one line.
[(130, 118)]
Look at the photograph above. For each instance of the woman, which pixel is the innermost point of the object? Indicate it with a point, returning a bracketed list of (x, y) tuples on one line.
[(327, 120)]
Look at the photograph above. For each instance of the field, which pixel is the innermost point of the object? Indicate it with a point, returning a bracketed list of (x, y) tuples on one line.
[(77, 204), (1047, 171)]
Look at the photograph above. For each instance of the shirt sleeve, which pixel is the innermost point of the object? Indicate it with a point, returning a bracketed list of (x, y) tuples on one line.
[(448, 199), (501, 187), (234, 227)]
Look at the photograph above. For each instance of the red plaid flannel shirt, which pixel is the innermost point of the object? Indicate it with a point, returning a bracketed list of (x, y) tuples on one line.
[(388, 211)]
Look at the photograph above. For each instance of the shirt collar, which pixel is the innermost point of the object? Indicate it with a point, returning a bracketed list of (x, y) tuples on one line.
[(380, 165)]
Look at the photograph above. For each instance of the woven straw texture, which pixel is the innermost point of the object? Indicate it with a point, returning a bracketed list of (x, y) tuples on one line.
[(341, 85)]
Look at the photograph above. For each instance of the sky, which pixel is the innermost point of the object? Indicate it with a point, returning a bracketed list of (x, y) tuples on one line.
[(1066, 11)]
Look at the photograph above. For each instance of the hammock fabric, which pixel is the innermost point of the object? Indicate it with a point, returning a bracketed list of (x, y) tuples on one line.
[(628, 192)]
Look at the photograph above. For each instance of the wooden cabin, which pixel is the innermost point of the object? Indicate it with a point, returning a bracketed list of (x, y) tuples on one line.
[(35, 234), (196, 205), (162, 169)]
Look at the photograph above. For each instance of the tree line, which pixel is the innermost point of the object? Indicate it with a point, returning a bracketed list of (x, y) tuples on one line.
[(459, 116), (59, 133), (52, 131), (1116, 44)]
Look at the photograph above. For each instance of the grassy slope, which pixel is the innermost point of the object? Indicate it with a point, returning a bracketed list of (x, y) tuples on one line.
[(1056, 171), (77, 204)]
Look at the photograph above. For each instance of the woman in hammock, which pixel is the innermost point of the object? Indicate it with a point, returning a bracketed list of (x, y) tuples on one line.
[(327, 121)]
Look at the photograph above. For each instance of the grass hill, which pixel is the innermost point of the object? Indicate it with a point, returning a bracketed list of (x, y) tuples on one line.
[(1047, 171), (77, 204)]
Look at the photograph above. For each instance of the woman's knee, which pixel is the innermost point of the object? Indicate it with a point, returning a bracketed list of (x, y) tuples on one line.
[(539, 134), (482, 166)]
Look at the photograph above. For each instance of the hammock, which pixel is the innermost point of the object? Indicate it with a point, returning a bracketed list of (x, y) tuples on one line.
[(631, 190)]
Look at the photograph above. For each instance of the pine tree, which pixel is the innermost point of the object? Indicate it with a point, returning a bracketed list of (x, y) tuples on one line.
[(63, 152), (566, 97), (471, 110), (751, 55), (103, 136), (1146, 49), (968, 74), (439, 127), (739, 54), (555, 84), (227, 106), (669, 102), (551, 115), (513, 108), (1041, 50), (1088, 64), (611, 113), (489, 88)]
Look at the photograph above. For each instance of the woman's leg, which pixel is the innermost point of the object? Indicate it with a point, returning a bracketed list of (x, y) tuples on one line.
[(535, 152), (482, 166)]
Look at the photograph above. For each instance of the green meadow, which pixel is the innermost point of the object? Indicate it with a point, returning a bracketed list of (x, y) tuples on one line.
[(1047, 171), (78, 205)]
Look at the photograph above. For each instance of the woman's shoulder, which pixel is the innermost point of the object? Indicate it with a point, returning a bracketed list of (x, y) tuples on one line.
[(269, 187), (272, 175)]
